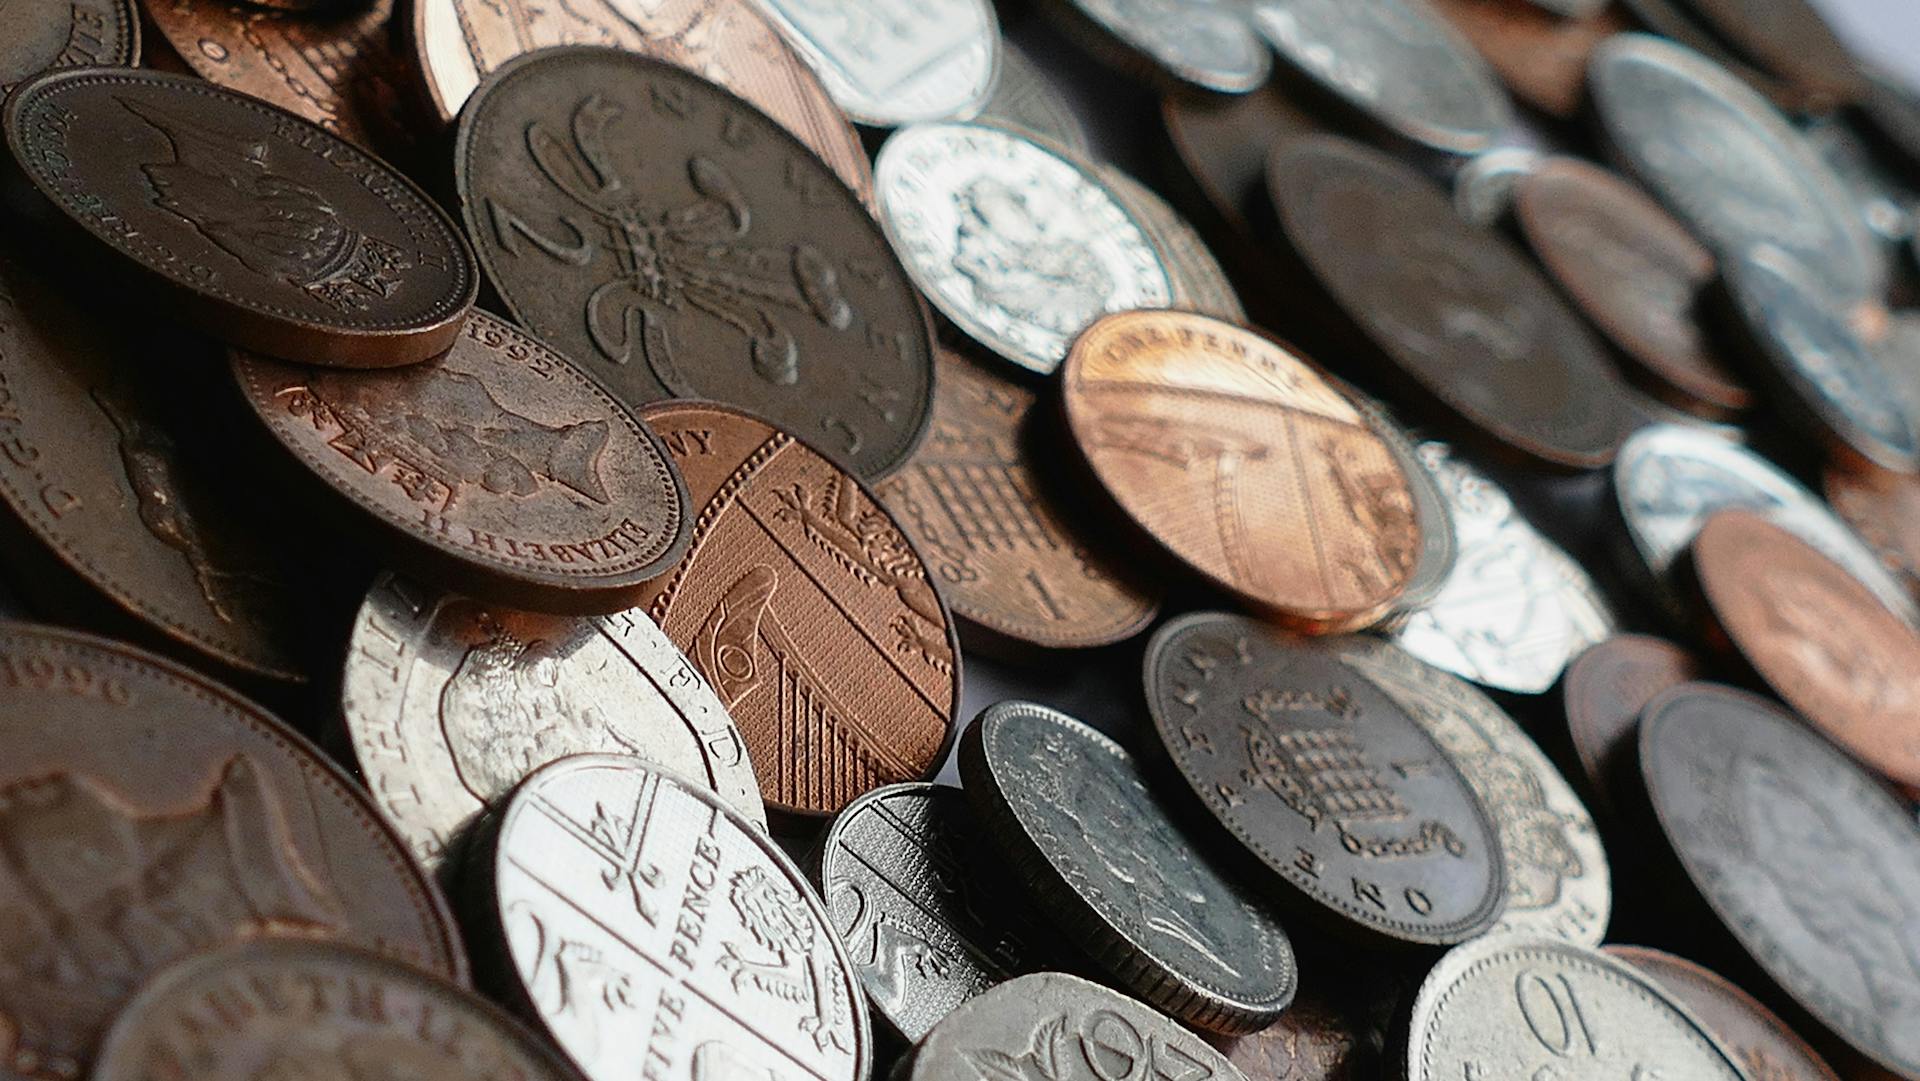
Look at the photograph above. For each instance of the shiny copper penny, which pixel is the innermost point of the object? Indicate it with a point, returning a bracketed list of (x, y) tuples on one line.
[(1011, 556), (42, 34), (1884, 508), (499, 470), (808, 609), (1817, 637), (1762, 1043), (1541, 56), (1234, 455), (1603, 693)]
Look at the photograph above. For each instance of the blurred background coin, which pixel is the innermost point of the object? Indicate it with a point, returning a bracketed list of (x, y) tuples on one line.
[(1603, 693), (1759, 1040), (1209, 44), (893, 62)]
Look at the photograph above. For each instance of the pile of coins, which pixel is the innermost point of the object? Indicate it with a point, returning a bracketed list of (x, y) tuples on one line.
[(500, 498)]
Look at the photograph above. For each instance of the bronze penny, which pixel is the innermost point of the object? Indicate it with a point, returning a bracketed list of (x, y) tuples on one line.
[(1011, 557), (1884, 508), (151, 814), (1635, 271), (1603, 693), (42, 34), (244, 220), (1760, 1042), (1541, 56), (810, 612), (680, 244), (1818, 637), (1313, 1041), (1243, 463), (499, 470)]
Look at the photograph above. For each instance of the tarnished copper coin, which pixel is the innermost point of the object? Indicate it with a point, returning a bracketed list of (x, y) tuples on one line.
[(810, 612), (150, 814), (1604, 692), (1012, 557), (1315, 1040), (1541, 56), (1817, 636), (44, 34), (1760, 1042), (1884, 508), (1237, 458), (499, 470)]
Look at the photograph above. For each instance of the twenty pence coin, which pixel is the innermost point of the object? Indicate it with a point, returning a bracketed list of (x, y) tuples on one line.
[(1763, 1044), (1603, 693)]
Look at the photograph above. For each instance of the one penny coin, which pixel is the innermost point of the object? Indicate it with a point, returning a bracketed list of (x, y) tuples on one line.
[(1603, 694), (1883, 507), (1241, 461), (1013, 558), (709, 255), (1540, 55), (1760, 1042), (151, 814), (44, 34), (246, 221), (808, 610), (499, 469)]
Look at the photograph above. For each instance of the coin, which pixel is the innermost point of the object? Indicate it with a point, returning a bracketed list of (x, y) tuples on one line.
[(1199, 283), (1012, 557), (1072, 813), (810, 612), (1880, 506), (1760, 1042), (1790, 39), (1517, 1006), (1516, 609), (1326, 778), (1456, 310), (714, 255), (1208, 44), (1603, 693), (1245, 465), (151, 814), (1541, 55), (67, 33), (241, 219), (1676, 19), (1223, 144), (893, 62), (271, 1009), (646, 921), (1483, 187), (1434, 565), (450, 703), (1395, 62), (1026, 99), (1880, 193), (1313, 1041), (1810, 864)]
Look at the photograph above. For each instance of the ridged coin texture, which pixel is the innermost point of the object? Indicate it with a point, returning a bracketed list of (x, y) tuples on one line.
[(1808, 861), (253, 225), (897, 62), (1761, 1043), (67, 33), (680, 244), (1098, 852), (272, 1009), (1326, 779), (1026, 98), (1514, 1006), (1235, 456), (809, 611), (1602, 695), (151, 814), (1018, 246), (450, 703), (499, 469), (647, 922)]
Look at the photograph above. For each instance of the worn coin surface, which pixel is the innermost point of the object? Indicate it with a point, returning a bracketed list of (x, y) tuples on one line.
[(1457, 310), (1241, 461), (1026, 98), (1210, 44), (808, 609), (1761, 1043), (1199, 283), (1315, 1040), (1605, 690), (1326, 778), (1019, 246), (648, 922), (150, 814), (894, 62), (1805, 857), (499, 469), (1012, 557), (46, 34), (1883, 508), (1516, 1006), (1541, 55), (1517, 608), (680, 244)]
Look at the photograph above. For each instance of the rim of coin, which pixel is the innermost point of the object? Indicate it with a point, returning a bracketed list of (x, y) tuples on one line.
[(1603, 693), (921, 90), (1788, 39), (1439, 544), (1674, 19), (102, 33), (1189, 44), (1028, 100), (1539, 53), (1199, 282), (1725, 1010), (1877, 504)]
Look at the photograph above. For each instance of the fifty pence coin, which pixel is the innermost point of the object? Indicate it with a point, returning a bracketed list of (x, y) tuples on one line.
[(499, 469), (1026, 99), (251, 224), (1199, 282), (1603, 693), (1760, 1042), (1019, 246), (46, 34), (893, 62), (450, 703), (1209, 44), (1541, 55), (714, 256), (1326, 778)]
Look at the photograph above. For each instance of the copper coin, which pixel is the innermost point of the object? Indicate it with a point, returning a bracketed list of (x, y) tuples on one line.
[(1817, 637), (1223, 143), (1237, 458), (44, 34), (1313, 1041), (245, 221), (1760, 1042), (1603, 693), (1884, 508), (1633, 270), (1012, 557), (1541, 56), (729, 42), (680, 244), (1455, 309), (499, 470), (150, 814), (810, 612)]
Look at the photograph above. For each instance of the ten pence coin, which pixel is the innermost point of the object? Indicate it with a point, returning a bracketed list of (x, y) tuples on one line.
[(44, 34), (1240, 460), (1760, 1042), (895, 62), (809, 611), (1540, 55), (1603, 694)]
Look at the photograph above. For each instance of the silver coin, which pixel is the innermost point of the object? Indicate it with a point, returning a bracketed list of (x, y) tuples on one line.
[(1208, 43), (1026, 100), (1483, 188), (1724, 160), (1558, 883), (1395, 61), (1200, 284), (1019, 246), (1514, 1006), (1884, 199), (1517, 609), (1570, 9), (893, 62), (656, 933)]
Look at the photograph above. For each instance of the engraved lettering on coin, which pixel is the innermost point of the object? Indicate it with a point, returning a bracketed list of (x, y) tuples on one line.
[(47, 34), (895, 62)]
